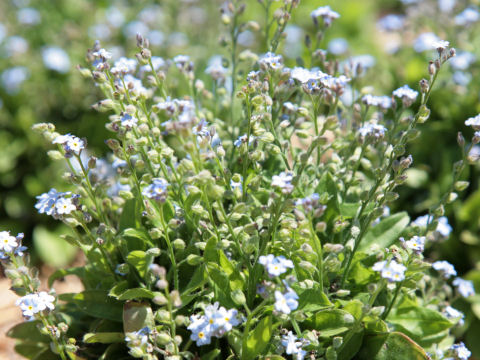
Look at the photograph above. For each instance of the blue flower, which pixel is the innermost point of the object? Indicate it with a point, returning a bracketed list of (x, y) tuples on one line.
[(275, 266), (287, 302), (241, 139), (156, 190), (392, 271), (445, 268), (293, 346), (464, 287)]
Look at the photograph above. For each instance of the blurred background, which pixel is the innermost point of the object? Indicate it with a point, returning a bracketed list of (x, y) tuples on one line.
[(42, 42)]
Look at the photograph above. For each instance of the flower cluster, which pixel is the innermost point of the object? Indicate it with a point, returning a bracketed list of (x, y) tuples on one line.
[(390, 270), (215, 322), (275, 265), (57, 204), (71, 144), (32, 304)]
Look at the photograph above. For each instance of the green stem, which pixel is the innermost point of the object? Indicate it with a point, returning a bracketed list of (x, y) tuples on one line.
[(170, 247), (395, 295)]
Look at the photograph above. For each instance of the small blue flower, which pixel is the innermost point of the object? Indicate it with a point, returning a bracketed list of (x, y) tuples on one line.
[(392, 271), (287, 302), (464, 287), (275, 266), (156, 190), (236, 184), (460, 351), (445, 268)]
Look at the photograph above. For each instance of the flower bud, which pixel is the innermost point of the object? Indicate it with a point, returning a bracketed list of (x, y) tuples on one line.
[(194, 260), (160, 299), (178, 244)]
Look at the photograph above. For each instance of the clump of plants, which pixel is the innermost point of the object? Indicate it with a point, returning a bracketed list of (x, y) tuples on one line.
[(244, 212)]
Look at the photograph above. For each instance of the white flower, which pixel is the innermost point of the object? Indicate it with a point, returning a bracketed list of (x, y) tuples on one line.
[(452, 313), (56, 59), (270, 60), (46, 300), (216, 322), (384, 102), (474, 122), (70, 143), (406, 93), (156, 190), (338, 46), (416, 243), (467, 17), (374, 130), (446, 5), (55, 203), (275, 266), (32, 304), (64, 206), (440, 45), (287, 302), (303, 75), (29, 305), (283, 181), (462, 60), (443, 226), (464, 287), (236, 184), (392, 271), (216, 69), (326, 13), (460, 351), (102, 53), (309, 202), (7, 242), (425, 42), (124, 66), (391, 22), (445, 268), (128, 121), (293, 346)]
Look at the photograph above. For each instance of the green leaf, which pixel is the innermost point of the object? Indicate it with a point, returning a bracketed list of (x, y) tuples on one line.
[(137, 293), (28, 330), (330, 322), (349, 210), (392, 346), (104, 337), (211, 252), (140, 261), (61, 273), (419, 322), (136, 316), (30, 349), (354, 307), (51, 248), (96, 303), (470, 208), (118, 289), (168, 211), (128, 218), (350, 349), (46, 355), (141, 234), (311, 300), (258, 340), (221, 285), (386, 232), (212, 355)]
